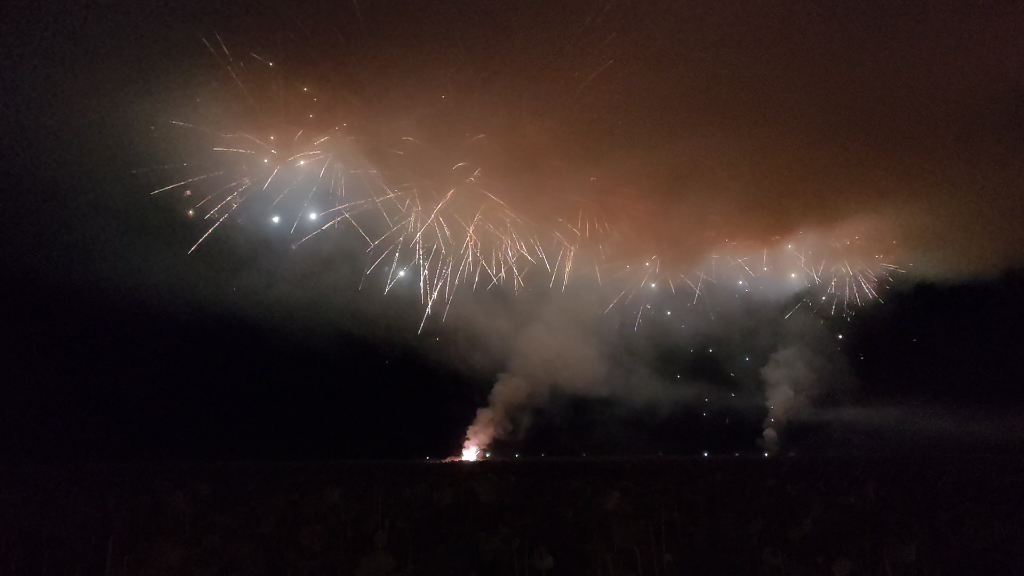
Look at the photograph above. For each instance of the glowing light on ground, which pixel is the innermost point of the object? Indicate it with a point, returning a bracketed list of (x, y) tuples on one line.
[(470, 454)]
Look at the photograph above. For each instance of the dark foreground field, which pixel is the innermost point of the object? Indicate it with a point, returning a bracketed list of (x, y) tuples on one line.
[(653, 517)]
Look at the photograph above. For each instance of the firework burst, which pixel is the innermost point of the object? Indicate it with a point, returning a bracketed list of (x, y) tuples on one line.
[(434, 211), (833, 273)]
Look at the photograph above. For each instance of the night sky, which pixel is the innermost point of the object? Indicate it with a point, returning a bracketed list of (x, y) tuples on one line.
[(749, 122)]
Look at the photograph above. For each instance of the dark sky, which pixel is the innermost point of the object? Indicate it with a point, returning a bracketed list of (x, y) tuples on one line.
[(732, 119)]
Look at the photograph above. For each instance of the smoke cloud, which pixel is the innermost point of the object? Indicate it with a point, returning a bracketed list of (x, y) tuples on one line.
[(806, 365), (790, 385), (544, 357), (559, 352)]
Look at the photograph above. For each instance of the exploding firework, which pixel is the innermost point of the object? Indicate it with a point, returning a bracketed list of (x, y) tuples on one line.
[(433, 210), (834, 273), (435, 217), (449, 211), (435, 213), (447, 231)]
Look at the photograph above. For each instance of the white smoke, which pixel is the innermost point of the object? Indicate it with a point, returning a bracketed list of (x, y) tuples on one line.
[(547, 355), (790, 384), (806, 366), (559, 353)]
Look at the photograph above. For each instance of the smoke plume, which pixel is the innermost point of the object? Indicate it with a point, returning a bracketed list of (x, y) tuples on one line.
[(807, 365), (790, 384), (548, 355)]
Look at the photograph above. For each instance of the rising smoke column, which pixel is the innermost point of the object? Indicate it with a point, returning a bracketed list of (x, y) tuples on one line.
[(550, 354), (807, 365), (789, 386), (510, 395)]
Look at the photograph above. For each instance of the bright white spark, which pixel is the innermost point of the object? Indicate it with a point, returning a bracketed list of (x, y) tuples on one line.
[(470, 454)]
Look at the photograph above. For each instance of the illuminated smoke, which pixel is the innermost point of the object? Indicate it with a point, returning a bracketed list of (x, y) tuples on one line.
[(509, 396), (789, 382), (551, 354), (806, 366)]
